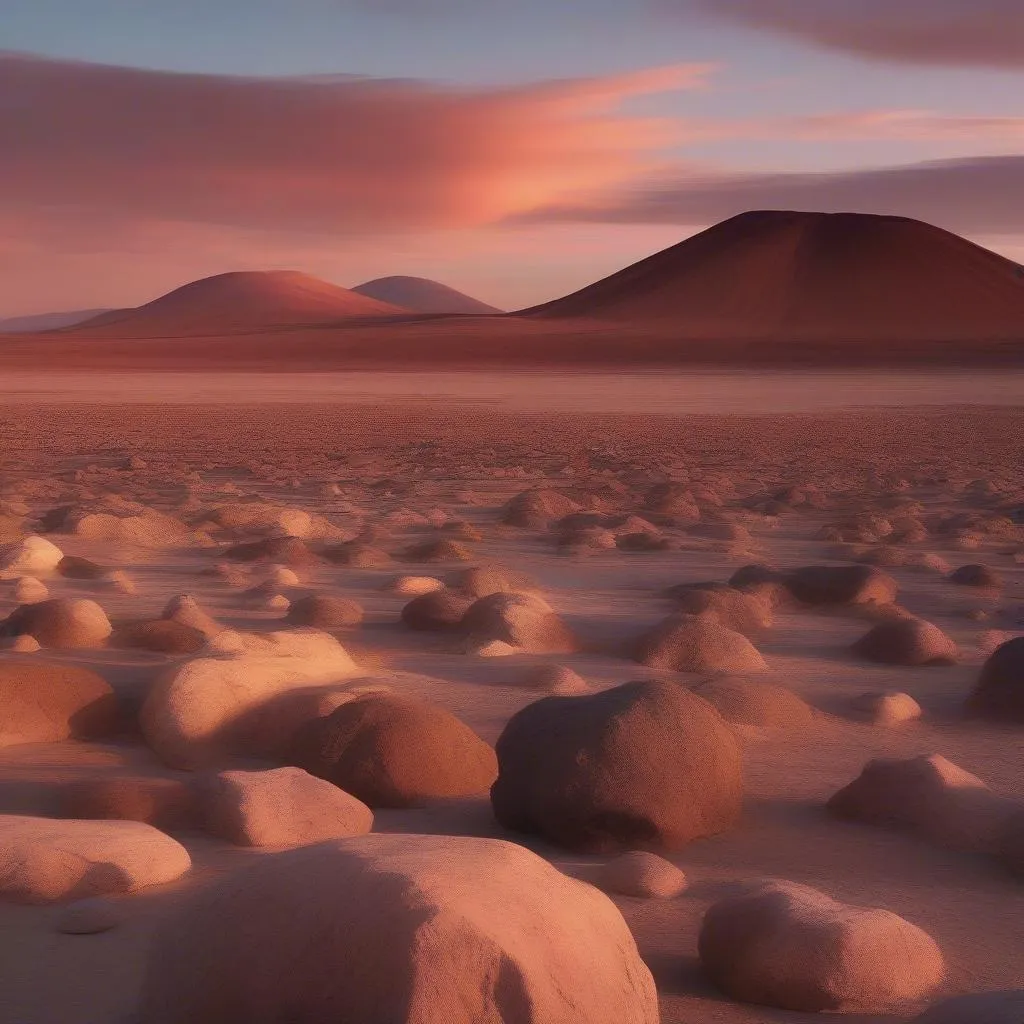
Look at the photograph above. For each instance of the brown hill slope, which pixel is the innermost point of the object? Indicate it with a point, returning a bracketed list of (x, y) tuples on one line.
[(774, 274), (236, 303)]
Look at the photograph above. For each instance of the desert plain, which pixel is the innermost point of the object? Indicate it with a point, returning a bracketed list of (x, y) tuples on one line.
[(251, 508)]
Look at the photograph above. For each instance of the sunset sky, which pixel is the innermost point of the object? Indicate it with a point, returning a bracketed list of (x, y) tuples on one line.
[(514, 150)]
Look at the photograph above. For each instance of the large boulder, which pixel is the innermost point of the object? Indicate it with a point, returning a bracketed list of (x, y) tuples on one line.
[(743, 612), (45, 702), (45, 860), (697, 643), (646, 765), (999, 692), (246, 695), (909, 641), (524, 621), (929, 796), (977, 1008), (281, 808), (324, 611), (537, 507), (438, 611), (792, 947), (415, 929), (395, 751), (32, 556), (62, 622), (755, 702), (147, 529), (842, 585)]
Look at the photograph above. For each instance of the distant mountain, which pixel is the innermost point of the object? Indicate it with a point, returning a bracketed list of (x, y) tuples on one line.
[(781, 275), (47, 321), (420, 295), (240, 302)]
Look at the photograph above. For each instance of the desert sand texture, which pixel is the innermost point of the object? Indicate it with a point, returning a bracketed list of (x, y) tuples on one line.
[(300, 641)]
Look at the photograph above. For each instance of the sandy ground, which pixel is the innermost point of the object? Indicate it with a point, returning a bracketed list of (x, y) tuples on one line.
[(468, 463)]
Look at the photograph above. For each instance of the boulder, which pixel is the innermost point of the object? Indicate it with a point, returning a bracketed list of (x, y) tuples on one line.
[(358, 555), (395, 751), (743, 612), (45, 702), (556, 679), (32, 556), (689, 643), (29, 590), (976, 576), (999, 692), (525, 621), (977, 1008), (642, 875), (23, 644), (324, 611), (61, 622), (929, 796), (90, 916), (162, 635), (186, 611), (247, 695), (414, 921), (792, 947), (415, 586), (842, 585), (166, 804), (74, 568), (285, 807), (437, 611), (47, 860), (538, 507), (886, 709), (646, 765), (907, 641), (444, 550), (757, 703)]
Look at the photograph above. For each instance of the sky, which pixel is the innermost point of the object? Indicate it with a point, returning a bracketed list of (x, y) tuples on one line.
[(516, 151)]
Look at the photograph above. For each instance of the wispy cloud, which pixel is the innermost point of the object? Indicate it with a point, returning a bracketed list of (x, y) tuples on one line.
[(342, 154), (952, 32), (978, 196)]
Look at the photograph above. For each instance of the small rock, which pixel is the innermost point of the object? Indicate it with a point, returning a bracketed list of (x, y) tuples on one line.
[(642, 875), (886, 709), (90, 916), (29, 590)]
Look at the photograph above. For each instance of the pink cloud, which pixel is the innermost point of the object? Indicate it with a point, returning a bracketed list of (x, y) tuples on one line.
[(966, 32), (332, 155)]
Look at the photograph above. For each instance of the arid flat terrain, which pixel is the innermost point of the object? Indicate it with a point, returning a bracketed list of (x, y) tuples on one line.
[(625, 507)]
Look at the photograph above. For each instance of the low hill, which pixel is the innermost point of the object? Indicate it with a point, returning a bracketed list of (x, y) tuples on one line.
[(780, 275), (420, 295), (47, 321), (240, 302)]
